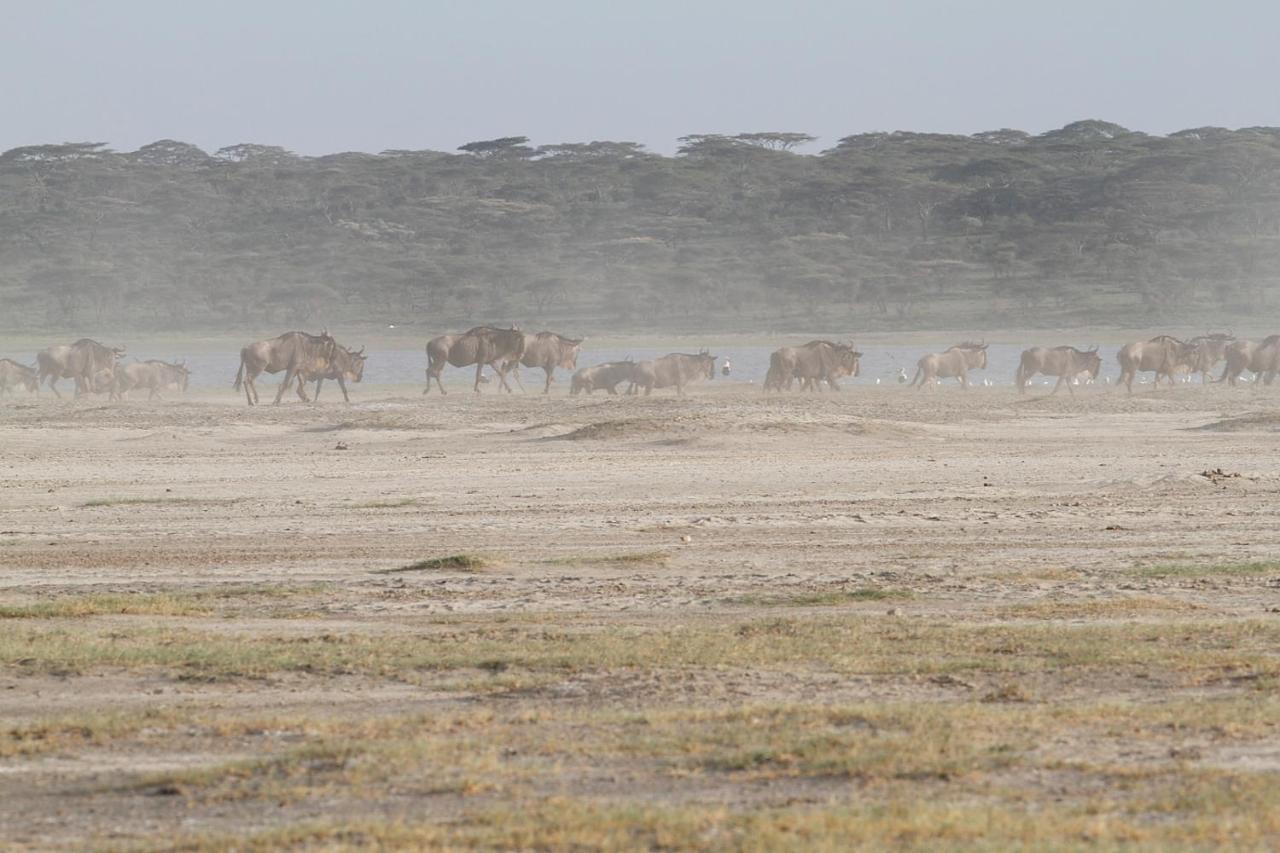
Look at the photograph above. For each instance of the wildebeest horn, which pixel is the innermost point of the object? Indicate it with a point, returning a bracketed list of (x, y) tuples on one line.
[(361, 352)]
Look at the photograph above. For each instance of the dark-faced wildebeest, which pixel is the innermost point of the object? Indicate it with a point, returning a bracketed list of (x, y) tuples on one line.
[(548, 351), (13, 374), (1209, 351), (814, 363), (1066, 363), (295, 353), (1262, 358), (956, 363), (345, 365), (1162, 355), (481, 345), (676, 370), (81, 362), (607, 376)]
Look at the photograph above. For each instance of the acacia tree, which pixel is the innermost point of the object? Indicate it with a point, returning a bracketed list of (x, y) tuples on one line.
[(776, 140), (506, 147)]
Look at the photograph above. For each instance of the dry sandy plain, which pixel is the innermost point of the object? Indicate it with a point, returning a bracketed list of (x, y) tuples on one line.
[(726, 621)]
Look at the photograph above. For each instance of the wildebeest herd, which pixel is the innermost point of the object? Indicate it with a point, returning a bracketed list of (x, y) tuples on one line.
[(304, 358)]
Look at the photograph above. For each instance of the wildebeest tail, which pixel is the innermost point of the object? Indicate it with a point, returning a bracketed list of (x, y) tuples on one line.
[(239, 375), (916, 378)]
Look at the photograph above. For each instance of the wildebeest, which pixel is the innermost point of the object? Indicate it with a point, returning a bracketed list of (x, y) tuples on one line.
[(814, 363), (1162, 355), (607, 376), (343, 365), (1262, 358), (293, 352), (547, 350), (675, 369), (79, 362), (481, 345), (153, 375), (1209, 350), (956, 363), (13, 374), (1066, 363)]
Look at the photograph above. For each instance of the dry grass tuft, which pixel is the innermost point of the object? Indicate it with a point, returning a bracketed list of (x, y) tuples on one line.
[(451, 563)]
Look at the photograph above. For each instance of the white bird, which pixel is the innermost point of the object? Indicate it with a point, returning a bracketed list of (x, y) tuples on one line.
[(391, 325), (877, 381), (902, 375)]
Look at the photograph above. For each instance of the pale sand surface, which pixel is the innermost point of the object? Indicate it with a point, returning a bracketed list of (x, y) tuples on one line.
[(972, 504)]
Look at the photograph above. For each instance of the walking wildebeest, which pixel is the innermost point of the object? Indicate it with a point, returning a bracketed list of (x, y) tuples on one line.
[(674, 369), (81, 362), (606, 376), (1209, 350), (814, 363), (1162, 355), (956, 363), (293, 352), (153, 375), (1066, 363), (481, 345), (13, 374), (548, 351), (1262, 358), (343, 365)]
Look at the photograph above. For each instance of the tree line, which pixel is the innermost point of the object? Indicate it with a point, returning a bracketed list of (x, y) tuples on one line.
[(1090, 224)]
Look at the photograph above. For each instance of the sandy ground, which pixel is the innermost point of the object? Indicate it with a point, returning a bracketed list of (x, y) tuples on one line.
[(969, 502)]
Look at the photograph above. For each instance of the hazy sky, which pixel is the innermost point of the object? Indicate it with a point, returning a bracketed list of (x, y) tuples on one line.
[(325, 75)]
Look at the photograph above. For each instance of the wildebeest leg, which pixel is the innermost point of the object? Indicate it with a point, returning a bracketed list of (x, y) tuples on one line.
[(289, 376), (501, 371), (550, 375), (341, 384), (830, 381), (479, 373), (514, 368), (53, 386), (315, 395), (1062, 377), (964, 379)]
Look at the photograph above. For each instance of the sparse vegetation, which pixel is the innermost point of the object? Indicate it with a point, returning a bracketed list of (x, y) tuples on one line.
[(1209, 570), (451, 563), (148, 501), (633, 558), (389, 503), (826, 598), (185, 603)]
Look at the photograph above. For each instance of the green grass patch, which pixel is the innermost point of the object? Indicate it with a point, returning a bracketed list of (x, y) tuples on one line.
[(390, 503), (451, 563), (125, 501), (186, 603), (629, 559), (1209, 570), (161, 604), (1099, 608), (1202, 810), (830, 598), (1199, 651)]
